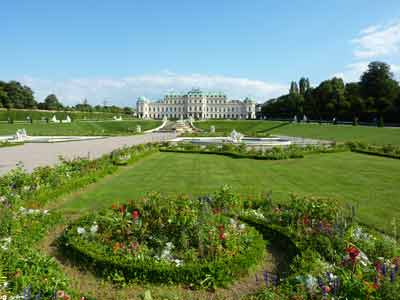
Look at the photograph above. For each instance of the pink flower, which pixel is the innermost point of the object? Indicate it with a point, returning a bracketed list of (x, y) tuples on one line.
[(135, 214)]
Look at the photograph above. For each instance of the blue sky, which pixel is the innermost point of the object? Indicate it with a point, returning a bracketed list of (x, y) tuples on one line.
[(118, 50)]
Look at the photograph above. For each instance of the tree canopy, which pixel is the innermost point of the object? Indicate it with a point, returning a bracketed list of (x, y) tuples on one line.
[(375, 96)]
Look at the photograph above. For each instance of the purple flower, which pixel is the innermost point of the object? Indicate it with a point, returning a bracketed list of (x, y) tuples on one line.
[(384, 269), (392, 275), (266, 279)]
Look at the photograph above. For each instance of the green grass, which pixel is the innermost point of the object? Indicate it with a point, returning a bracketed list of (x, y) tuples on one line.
[(80, 128), (340, 133), (373, 182)]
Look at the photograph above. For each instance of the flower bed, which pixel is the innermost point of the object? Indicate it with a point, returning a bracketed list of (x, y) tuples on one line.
[(23, 223), (168, 241), (241, 151), (337, 258)]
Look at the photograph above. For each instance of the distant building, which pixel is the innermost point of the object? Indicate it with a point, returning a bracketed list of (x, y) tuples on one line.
[(196, 104), (259, 114)]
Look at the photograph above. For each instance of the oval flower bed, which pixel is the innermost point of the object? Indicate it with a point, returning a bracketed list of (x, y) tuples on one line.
[(337, 258), (167, 240)]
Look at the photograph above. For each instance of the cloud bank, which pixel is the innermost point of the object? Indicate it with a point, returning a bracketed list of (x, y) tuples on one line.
[(377, 41), (374, 43), (125, 91)]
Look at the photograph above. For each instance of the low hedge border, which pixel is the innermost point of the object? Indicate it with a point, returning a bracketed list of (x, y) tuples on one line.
[(292, 155), (220, 272), (375, 153), (8, 144), (230, 154)]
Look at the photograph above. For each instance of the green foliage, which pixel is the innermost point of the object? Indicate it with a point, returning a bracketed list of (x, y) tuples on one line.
[(375, 94), (21, 228)]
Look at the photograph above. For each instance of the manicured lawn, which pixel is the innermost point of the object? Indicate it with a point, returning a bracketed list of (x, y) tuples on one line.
[(80, 128), (371, 181), (341, 133)]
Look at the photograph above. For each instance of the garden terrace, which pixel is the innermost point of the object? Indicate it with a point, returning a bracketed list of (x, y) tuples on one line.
[(339, 133), (80, 128)]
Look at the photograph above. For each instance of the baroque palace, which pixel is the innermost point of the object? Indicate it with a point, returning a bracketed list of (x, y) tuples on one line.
[(198, 105)]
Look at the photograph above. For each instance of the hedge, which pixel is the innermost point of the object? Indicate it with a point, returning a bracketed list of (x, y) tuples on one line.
[(219, 272)]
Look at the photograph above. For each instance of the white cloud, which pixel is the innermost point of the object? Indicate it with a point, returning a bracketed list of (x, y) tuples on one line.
[(124, 91), (375, 41)]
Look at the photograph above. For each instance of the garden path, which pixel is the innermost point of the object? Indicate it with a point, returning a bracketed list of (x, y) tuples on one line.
[(33, 155)]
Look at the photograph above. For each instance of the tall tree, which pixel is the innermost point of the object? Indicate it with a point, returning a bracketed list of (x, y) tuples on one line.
[(51, 103), (294, 89), (304, 85), (377, 84), (353, 96)]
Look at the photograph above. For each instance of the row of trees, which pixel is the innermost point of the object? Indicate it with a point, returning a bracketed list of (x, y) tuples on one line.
[(15, 95), (375, 97)]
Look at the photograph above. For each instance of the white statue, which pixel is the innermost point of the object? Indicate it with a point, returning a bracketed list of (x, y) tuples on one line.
[(54, 119), (20, 135), (138, 129), (236, 137), (115, 118), (295, 119), (212, 129), (305, 118), (67, 120), (165, 119)]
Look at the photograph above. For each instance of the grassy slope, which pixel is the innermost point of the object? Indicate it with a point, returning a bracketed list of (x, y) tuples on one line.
[(341, 133), (373, 181), (80, 128)]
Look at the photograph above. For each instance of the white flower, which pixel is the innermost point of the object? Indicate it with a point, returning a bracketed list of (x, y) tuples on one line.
[(242, 226), (364, 259), (3, 199), (45, 212), (311, 283), (5, 243), (178, 262), (94, 228), (81, 230)]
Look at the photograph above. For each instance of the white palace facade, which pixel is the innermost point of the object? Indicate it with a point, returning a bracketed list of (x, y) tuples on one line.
[(196, 104)]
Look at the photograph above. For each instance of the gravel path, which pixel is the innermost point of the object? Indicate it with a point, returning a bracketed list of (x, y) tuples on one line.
[(33, 155)]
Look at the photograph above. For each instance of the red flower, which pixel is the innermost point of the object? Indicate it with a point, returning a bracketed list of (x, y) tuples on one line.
[(135, 214), (378, 266), (353, 253), (114, 207), (122, 209), (306, 220), (222, 236)]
